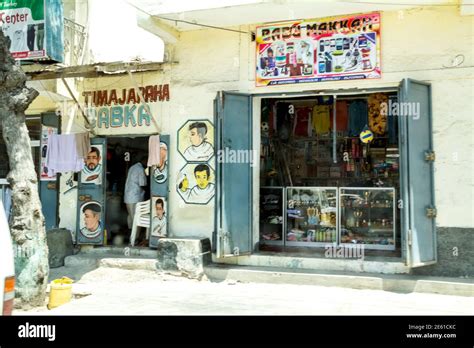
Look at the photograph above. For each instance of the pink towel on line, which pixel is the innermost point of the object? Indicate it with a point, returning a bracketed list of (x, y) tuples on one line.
[(154, 157)]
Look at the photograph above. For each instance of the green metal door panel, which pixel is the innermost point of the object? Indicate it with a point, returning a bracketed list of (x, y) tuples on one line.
[(91, 196), (159, 188), (234, 180), (417, 174), (48, 189)]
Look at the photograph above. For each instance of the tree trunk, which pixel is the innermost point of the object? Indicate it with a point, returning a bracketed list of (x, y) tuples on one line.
[(27, 222)]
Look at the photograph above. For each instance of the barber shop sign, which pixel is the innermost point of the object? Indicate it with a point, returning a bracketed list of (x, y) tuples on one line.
[(125, 111)]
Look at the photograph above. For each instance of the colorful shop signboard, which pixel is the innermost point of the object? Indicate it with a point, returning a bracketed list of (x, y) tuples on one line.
[(327, 49), (34, 27)]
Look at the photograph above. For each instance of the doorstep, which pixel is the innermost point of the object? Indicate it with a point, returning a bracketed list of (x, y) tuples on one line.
[(387, 265), (116, 257), (178, 256), (400, 283)]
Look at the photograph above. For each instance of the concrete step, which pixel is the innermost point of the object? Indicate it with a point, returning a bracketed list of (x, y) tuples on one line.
[(110, 251), (374, 281), (297, 262), (125, 258)]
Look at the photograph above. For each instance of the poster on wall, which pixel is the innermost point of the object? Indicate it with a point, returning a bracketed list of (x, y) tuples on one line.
[(35, 28), (159, 225), (92, 171), (326, 49), (196, 183), (46, 132), (196, 140), (160, 172), (90, 226)]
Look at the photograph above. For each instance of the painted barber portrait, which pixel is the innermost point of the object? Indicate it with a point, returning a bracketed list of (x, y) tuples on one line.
[(91, 225), (196, 185), (160, 173), (92, 171), (159, 221), (196, 140)]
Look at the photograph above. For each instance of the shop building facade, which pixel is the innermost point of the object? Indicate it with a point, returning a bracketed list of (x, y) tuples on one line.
[(209, 78)]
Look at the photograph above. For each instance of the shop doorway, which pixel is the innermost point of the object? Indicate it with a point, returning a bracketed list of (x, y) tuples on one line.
[(122, 153), (329, 174), (413, 220)]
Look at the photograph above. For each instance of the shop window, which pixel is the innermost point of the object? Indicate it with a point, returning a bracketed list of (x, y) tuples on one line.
[(336, 161)]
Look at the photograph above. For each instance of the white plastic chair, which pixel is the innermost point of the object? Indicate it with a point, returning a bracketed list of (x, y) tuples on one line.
[(141, 218)]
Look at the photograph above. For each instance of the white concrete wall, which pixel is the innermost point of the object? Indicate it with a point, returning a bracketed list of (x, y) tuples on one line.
[(417, 44)]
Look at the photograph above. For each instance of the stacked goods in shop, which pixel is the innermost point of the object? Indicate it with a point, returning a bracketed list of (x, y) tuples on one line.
[(377, 118)]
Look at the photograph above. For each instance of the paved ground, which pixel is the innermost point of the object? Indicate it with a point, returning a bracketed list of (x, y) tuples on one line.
[(137, 292)]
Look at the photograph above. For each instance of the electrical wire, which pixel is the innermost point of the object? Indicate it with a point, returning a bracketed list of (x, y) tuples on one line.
[(203, 25), (187, 22)]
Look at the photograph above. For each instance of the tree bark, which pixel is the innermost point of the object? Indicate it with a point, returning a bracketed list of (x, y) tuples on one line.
[(27, 222)]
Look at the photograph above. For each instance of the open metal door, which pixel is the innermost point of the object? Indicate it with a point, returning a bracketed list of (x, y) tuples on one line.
[(233, 120), (159, 188), (91, 195), (48, 186), (419, 212)]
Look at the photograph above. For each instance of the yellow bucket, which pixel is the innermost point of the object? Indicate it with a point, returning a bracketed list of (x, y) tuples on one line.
[(60, 292)]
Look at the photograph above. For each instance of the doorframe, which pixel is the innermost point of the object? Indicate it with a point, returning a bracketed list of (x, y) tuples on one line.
[(256, 102), (133, 136)]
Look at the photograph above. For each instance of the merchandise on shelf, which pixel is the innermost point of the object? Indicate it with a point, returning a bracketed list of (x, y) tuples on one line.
[(368, 217)]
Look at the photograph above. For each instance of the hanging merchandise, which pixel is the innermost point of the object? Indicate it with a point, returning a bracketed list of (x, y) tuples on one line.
[(302, 126), (62, 155), (341, 116), (366, 136), (377, 118), (357, 117), (321, 119), (283, 121), (392, 127), (154, 152)]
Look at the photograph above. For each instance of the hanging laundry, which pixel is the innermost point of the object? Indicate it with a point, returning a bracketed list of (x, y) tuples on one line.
[(154, 156), (377, 119), (357, 117), (302, 126), (83, 144), (341, 116), (321, 119), (62, 156)]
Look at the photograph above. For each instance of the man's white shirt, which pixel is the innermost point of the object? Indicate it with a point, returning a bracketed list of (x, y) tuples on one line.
[(159, 227), (198, 153), (199, 195)]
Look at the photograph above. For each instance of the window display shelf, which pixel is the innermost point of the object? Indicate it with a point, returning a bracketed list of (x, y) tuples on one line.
[(272, 215), (311, 216), (368, 217)]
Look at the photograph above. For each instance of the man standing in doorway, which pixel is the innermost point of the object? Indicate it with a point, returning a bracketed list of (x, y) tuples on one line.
[(135, 188)]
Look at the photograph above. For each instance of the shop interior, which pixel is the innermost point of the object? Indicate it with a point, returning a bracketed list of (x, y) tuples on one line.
[(119, 149), (329, 174)]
